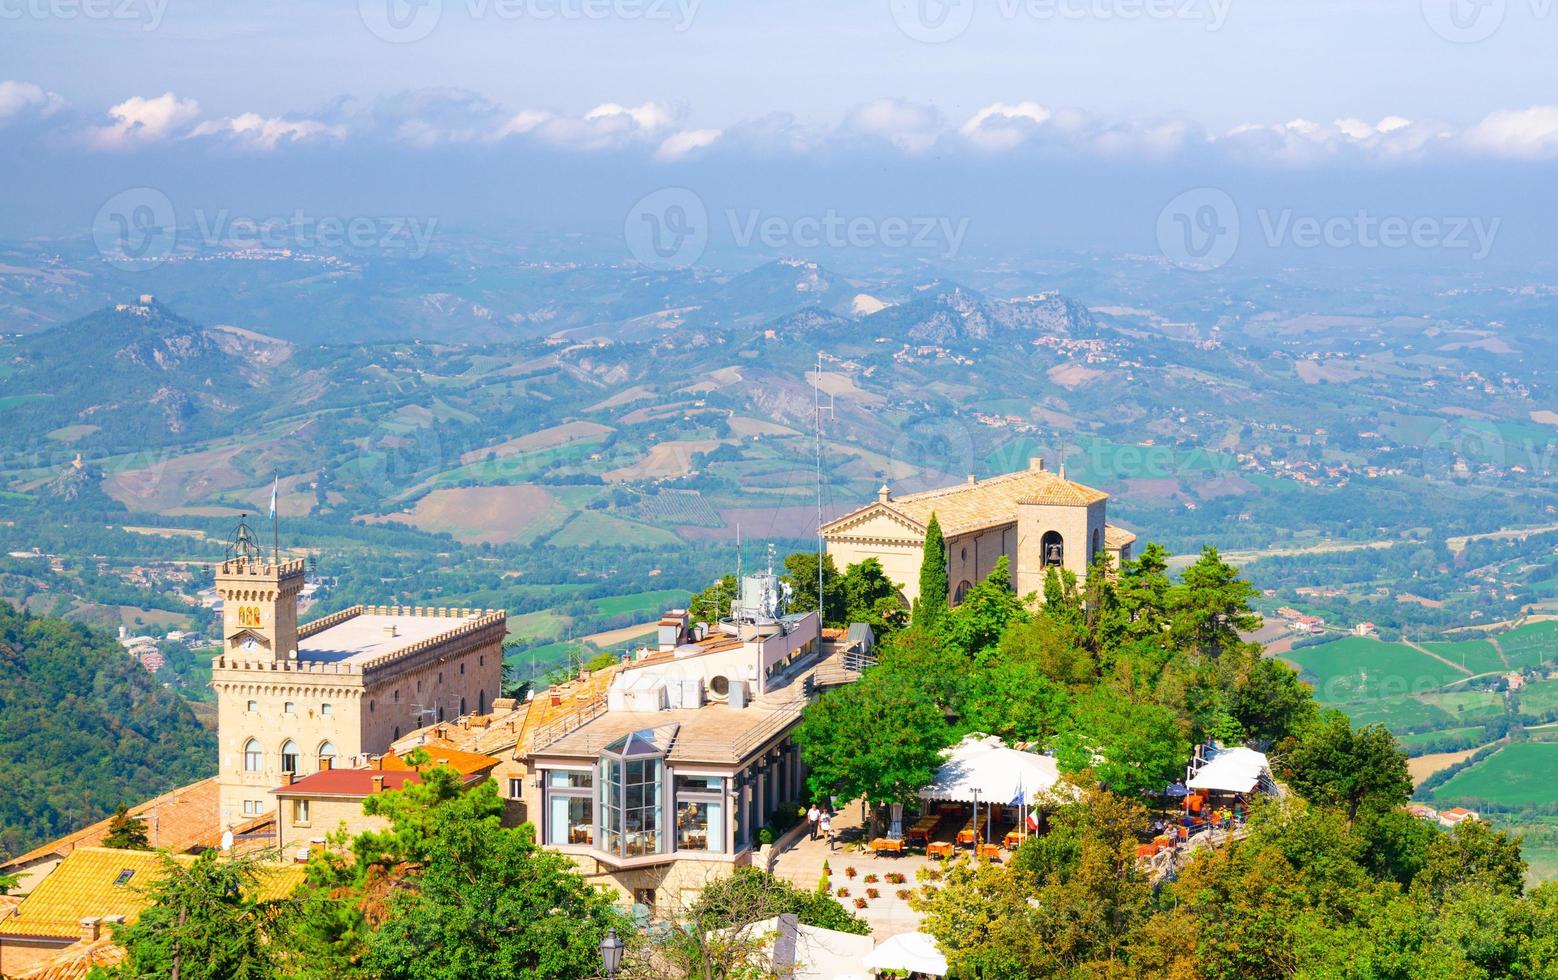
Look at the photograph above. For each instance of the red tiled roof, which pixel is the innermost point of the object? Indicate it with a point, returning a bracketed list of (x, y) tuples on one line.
[(346, 782)]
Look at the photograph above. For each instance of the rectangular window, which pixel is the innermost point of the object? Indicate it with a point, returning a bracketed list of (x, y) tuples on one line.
[(289, 708), (254, 706), (300, 812), (570, 819), (516, 789), (327, 710), (570, 778), (248, 807), (699, 826)]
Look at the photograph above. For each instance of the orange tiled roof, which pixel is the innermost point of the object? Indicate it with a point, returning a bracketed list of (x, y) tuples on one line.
[(442, 754), (178, 820), (966, 507), (102, 881), (75, 962)]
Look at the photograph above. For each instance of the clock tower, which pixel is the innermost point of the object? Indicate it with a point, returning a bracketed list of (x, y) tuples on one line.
[(259, 602)]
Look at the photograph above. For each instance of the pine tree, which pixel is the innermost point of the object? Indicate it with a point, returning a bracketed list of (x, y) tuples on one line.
[(126, 832), (932, 603)]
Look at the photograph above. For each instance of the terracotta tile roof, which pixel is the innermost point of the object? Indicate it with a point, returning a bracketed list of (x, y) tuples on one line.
[(346, 782), (76, 961), (1117, 537), (442, 754), (966, 507), (101, 881), (178, 820)]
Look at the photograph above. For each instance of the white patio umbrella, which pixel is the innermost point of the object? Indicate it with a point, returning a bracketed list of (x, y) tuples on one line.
[(916, 952)]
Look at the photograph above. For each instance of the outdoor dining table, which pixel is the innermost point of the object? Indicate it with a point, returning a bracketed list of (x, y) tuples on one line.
[(991, 851), (972, 831), (887, 845), (939, 849), (1014, 838)]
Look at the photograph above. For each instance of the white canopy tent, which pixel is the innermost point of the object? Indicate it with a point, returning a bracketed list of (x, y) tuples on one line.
[(912, 951), (1234, 770), (982, 769)]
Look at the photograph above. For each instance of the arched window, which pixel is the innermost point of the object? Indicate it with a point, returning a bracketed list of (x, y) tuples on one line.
[(326, 751), (289, 756), (1097, 543), (253, 757), (481, 703), (462, 706), (1052, 549), (962, 590), (397, 734)]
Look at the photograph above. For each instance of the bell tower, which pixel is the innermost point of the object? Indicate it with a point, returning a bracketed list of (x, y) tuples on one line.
[(259, 601)]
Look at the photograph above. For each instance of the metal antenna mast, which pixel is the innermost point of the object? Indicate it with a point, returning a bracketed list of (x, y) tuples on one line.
[(816, 397)]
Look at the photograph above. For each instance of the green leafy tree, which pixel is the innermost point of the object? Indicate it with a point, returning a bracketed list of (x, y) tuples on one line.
[(126, 832), (1473, 854), (489, 902), (713, 603), (874, 739), (750, 895), (1269, 701), (871, 597), (1332, 763), (200, 924), (975, 627), (1210, 606), (801, 575), (932, 603), (1016, 700), (1134, 747)]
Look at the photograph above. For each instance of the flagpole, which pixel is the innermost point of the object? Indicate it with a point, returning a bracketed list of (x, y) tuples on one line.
[(275, 522)]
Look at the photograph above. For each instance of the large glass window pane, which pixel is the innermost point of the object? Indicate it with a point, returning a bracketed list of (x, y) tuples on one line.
[(571, 778), (699, 826), (571, 820)]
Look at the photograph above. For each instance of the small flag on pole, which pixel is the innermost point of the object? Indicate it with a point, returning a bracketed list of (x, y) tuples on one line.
[(274, 484)]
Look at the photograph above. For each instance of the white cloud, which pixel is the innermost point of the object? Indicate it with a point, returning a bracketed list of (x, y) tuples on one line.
[(1004, 125), (688, 141), (1519, 133), (17, 98), (648, 116), (259, 132), (910, 127), (1303, 142), (141, 120)]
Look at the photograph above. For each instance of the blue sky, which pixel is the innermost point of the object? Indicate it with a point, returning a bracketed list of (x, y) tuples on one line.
[(563, 112)]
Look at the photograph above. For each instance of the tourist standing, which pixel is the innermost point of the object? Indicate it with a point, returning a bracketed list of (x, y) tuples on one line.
[(825, 824)]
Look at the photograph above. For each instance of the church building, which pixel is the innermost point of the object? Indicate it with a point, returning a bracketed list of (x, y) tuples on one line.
[(294, 699), (1035, 517)]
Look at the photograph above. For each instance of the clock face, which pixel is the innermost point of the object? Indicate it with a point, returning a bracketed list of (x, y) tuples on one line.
[(251, 644)]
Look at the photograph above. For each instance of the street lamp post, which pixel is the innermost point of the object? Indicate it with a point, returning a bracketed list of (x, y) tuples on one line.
[(611, 952)]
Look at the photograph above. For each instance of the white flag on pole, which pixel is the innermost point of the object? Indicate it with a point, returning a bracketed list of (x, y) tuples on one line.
[(273, 485)]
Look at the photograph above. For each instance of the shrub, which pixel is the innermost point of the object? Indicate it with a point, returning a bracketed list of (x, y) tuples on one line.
[(906, 893), (843, 893), (895, 877), (850, 872), (765, 835), (873, 893), (860, 903), (870, 879)]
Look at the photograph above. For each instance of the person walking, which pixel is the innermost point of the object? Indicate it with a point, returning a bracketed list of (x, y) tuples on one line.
[(825, 824), (812, 816)]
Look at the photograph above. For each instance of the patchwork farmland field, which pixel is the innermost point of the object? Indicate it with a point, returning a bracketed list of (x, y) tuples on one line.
[(1520, 774)]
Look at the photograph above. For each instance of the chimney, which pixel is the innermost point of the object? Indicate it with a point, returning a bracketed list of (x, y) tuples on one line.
[(378, 783), (390, 630), (378, 763), (1036, 464), (971, 479), (288, 778), (324, 763), (91, 929), (883, 495), (1062, 471)]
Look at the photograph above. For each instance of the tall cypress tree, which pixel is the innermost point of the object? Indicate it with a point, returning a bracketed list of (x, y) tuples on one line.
[(932, 603)]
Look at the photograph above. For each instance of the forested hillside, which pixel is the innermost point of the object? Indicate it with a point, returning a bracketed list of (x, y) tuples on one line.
[(83, 728)]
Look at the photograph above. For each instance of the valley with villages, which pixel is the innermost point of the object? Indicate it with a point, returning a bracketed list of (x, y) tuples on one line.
[(975, 729)]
